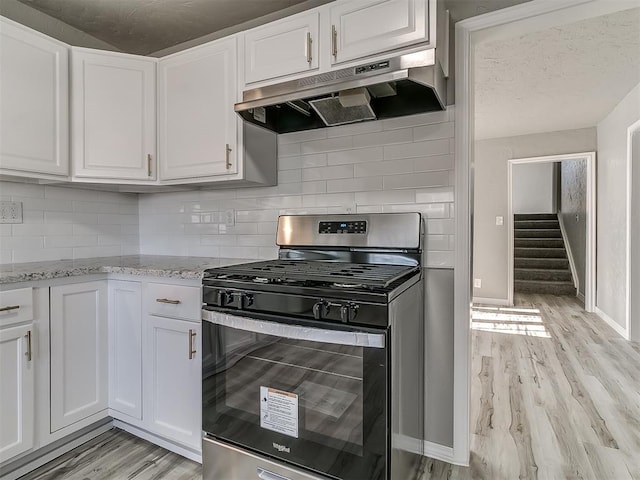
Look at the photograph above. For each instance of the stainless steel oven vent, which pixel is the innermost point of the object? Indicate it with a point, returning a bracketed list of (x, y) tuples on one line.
[(333, 113)]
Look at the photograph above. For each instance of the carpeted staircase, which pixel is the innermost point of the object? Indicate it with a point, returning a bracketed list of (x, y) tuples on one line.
[(540, 258)]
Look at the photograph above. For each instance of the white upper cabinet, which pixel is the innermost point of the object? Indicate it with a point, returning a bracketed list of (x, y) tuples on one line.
[(282, 48), (113, 102), (34, 106), (366, 27), (196, 120)]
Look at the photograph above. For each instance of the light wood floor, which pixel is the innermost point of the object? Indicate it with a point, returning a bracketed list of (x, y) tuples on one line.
[(558, 397)]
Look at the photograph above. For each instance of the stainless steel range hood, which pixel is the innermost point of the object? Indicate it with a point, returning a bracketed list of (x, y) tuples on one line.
[(402, 85)]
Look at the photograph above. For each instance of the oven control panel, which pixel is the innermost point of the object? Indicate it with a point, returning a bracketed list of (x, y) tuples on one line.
[(343, 227)]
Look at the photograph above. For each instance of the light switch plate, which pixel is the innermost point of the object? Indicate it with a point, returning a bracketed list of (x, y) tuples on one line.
[(499, 220), (477, 283), (10, 212)]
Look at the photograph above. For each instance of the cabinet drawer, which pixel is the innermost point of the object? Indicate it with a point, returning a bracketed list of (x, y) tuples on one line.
[(16, 306), (174, 301)]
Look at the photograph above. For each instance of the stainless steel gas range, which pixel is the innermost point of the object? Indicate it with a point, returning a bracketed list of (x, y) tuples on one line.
[(313, 364)]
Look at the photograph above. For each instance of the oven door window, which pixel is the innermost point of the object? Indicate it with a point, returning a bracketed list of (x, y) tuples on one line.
[(315, 404)]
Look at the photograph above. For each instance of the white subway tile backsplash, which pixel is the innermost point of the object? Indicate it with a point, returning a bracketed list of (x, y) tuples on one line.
[(435, 195), (327, 145), (417, 180), (361, 155), (421, 119), (416, 149), (289, 150), (391, 167), (435, 162), (385, 197), (362, 184), (62, 223), (328, 200), (389, 137), (439, 226), (290, 201), (434, 132), (304, 136), (238, 252), (314, 187), (326, 173), (354, 129), (6, 230), (290, 176)]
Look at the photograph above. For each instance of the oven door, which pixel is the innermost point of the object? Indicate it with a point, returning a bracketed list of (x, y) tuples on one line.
[(311, 394)]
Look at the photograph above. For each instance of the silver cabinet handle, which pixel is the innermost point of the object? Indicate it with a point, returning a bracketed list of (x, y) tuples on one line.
[(228, 156), (192, 350), (309, 43), (169, 301), (267, 475), (28, 352), (334, 42), (9, 308), (149, 164)]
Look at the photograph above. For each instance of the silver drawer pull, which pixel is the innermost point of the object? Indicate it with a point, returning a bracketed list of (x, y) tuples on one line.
[(9, 308), (267, 475), (166, 300), (28, 353), (192, 351)]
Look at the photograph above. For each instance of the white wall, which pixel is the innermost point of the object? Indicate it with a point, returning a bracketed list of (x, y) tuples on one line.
[(68, 223), (613, 161), (635, 237), (573, 212), (490, 257), (533, 188), (395, 165)]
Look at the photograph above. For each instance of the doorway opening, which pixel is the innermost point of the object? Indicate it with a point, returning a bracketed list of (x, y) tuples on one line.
[(589, 205)]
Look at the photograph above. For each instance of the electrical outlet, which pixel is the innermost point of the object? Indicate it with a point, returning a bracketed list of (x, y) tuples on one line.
[(10, 212), (477, 283), (228, 217)]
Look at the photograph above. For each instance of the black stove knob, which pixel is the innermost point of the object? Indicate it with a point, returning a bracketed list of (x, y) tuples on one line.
[(348, 312), (321, 309), (224, 298)]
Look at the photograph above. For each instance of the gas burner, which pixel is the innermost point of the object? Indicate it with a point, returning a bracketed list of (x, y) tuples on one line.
[(348, 285)]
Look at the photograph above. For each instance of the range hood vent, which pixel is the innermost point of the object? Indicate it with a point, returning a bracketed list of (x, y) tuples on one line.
[(402, 85)]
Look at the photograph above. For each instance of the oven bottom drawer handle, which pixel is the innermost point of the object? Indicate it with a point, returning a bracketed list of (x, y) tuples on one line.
[(296, 332), (267, 475)]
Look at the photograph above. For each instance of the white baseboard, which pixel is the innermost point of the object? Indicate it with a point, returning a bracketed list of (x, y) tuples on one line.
[(439, 452), (581, 297), (612, 323), (502, 302), (150, 437)]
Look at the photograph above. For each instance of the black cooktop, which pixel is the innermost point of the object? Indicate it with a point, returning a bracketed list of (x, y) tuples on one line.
[(342, 274)]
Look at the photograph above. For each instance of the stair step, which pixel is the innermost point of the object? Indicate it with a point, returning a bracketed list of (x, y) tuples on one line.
[(535, 216), (537, 233), (541, 286), (518, 224), (555, 275), (529, 252), (547, 263), (539, 242)]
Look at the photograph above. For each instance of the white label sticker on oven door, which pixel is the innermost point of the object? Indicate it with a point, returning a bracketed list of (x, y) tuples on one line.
[(279, 411)]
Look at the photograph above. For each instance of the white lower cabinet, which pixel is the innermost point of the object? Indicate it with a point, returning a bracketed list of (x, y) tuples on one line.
[(125, 350), (16, 391), (172, 379), (79, 357)]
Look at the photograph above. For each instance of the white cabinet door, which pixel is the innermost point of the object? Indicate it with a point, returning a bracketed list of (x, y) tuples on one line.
[(113, 100), (78, 336), (125, 348), (172, 385), (16, 391), (281, 48), (196, 121), (366, 27), (34, 108)]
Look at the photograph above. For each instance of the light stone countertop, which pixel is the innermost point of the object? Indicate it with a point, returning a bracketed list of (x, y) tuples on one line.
[(138, 265)]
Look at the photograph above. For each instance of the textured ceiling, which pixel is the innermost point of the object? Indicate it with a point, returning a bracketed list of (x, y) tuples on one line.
[(557, 79), (147, 26)]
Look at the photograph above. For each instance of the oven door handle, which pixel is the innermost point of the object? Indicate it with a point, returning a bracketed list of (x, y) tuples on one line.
[(296, 332)]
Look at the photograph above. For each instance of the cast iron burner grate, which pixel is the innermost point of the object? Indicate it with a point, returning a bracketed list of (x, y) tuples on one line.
[(333, 272)]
